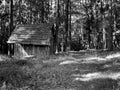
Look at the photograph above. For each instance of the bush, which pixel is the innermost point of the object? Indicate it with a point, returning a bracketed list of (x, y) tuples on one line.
[(76, 45)]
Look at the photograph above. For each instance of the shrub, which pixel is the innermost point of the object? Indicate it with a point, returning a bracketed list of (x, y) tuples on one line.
[(76, 45)]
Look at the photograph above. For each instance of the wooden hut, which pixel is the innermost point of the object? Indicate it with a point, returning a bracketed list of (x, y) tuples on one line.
[(31, 40)]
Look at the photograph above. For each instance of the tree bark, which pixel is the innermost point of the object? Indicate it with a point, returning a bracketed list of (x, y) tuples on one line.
[(42, 12), (110, 32), (20, 18), (11, 25), (57, 27), (70, 24), (66, 24), (103, 27)]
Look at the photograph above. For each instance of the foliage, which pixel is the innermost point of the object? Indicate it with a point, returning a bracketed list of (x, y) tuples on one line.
[(77, 45), (70, 16)]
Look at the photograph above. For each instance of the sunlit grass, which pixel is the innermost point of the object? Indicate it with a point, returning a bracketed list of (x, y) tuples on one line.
[(99, 75), (66, 73), (116, 55)]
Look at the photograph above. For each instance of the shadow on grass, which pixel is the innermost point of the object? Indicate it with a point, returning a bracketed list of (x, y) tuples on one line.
[(98, 84), (11, 72), (52, 76)]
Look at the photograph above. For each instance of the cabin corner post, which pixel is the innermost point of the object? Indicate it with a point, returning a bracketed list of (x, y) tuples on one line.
[(10, 49)]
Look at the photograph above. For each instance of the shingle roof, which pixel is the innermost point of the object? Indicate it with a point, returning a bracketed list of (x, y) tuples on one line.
[(31, 34)]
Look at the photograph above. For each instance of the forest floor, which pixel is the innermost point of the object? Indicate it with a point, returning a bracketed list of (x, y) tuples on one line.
[(84, 70)]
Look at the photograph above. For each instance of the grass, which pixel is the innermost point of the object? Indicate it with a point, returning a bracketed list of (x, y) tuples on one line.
[(49, 75)]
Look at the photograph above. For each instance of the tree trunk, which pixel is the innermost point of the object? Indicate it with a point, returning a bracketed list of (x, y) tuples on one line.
[(104, 38), (31, 17), (57, 27), (11, 17), (20, 18), (70, 24), (42, 12), (11, 25), (115, 24), (103, 28), (110, 31), (66, 24)]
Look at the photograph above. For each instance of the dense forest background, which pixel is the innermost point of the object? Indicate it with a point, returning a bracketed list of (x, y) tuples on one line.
[(78, 24)]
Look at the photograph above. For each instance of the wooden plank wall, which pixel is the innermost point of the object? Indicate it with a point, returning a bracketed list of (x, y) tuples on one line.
[(19, 51), (38, 51)]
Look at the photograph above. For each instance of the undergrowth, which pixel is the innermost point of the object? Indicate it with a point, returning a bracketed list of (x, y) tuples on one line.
[(36, 75)]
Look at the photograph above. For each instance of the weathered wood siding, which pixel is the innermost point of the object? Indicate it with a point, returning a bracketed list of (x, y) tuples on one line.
[(19, 51), (38, 50)]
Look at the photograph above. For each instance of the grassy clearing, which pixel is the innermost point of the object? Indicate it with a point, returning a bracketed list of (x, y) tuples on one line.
[(50, 75)]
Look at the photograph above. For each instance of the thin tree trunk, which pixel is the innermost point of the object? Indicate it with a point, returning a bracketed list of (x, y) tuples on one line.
[(11, 16), (110, 32), (70, 24), (20, 19), (11, 24), (66, 24), (30, 15), (42, 13), (103, 27), (57, 27), (104, 38), (115, 24)]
